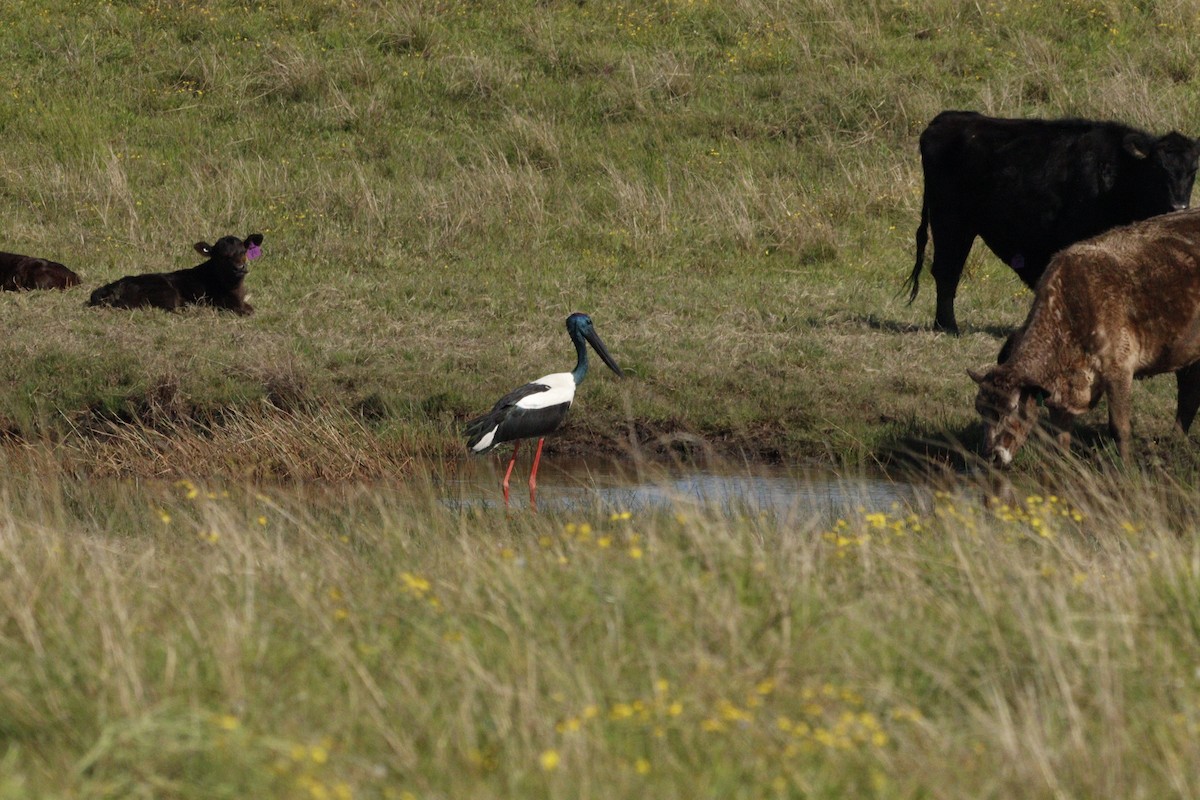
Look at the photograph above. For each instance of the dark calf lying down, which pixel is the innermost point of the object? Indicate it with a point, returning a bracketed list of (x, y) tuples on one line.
[(19, 272), (217, 282)]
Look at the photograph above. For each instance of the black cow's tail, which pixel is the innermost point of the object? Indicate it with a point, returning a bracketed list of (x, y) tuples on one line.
[(922, 240)]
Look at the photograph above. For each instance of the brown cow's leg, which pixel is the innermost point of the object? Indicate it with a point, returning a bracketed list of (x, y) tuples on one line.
[(1187, 383), (1061, 422), (1120, 406)]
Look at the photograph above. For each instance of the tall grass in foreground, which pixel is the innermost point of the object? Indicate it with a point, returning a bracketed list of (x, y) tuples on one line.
[(179, 642)]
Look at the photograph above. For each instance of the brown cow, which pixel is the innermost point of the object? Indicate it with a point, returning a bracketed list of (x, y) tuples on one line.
[(19, 272), (1123, 305)]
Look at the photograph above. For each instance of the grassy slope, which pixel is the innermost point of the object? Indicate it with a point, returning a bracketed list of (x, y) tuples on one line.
[(729, 188)]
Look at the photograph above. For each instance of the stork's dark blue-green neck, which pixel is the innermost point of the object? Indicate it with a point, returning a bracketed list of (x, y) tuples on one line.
[(577, 324), (582, 334)]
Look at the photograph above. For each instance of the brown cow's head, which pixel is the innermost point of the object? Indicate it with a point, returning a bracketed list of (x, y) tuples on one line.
[(1009, 410)]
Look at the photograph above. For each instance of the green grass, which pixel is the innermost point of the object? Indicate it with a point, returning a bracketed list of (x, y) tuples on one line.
[(181, 642), (730, 189)]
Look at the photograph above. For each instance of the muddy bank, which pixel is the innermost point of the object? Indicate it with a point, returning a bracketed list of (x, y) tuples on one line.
[(267, 443)]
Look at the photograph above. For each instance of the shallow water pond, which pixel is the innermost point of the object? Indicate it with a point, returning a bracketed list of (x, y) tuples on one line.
[(578, 485)]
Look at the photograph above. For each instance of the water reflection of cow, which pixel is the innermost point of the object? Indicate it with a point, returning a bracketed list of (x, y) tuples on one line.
[(1030, 187), (18, 273), (1120, 306)]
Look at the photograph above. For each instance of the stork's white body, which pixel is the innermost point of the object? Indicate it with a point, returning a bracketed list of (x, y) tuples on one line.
[(535, 409)]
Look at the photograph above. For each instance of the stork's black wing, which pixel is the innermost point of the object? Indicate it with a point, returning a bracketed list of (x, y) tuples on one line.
[(477, 428)]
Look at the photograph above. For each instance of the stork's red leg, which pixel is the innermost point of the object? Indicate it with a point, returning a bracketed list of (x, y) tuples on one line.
[(511, 461), (533, 475)]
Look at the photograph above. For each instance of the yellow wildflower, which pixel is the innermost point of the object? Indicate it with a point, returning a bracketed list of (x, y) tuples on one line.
[(549, 759), (414, 583), (621, 711)]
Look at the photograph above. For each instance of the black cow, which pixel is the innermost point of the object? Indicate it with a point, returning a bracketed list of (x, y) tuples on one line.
[(216, 282), (1030, 187), (18, 273)]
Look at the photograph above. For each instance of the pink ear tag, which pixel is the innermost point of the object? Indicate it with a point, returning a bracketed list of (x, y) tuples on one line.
[(253, 252)]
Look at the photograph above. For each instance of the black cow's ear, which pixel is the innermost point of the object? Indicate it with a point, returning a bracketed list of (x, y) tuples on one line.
[(978, 377), (254, 238), (203, 248), (1136, 145)]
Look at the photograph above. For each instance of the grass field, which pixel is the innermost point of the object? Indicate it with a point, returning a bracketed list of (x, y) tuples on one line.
[(225, 567), (730, 189)]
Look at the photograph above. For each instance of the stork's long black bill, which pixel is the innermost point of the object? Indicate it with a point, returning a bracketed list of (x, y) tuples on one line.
[(598, 345)]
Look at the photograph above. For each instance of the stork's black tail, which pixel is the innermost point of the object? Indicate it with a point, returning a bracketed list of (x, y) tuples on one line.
[(479, 427), (922, 240)]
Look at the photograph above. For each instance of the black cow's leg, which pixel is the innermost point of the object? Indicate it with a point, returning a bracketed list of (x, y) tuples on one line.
[(1035, 267), (1187, 384), (950, 249)]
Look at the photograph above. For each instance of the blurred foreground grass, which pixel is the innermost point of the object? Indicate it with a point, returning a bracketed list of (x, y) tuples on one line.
[(183, 641)]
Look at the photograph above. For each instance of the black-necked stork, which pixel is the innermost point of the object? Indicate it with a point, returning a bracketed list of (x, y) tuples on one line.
[(537, 408)]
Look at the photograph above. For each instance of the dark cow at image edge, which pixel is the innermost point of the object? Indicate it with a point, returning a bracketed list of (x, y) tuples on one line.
[(216, 282), (1030, 187), (19, 273)]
